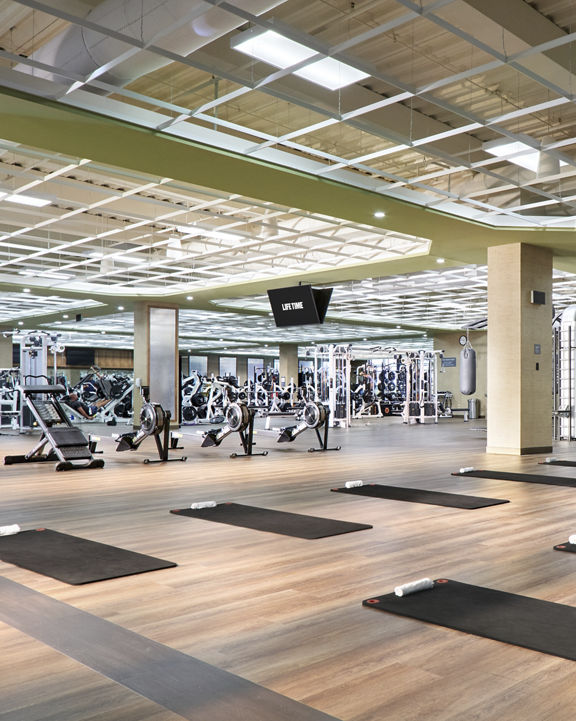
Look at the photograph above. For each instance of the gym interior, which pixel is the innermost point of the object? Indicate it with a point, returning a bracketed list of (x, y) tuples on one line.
[(287, 360)]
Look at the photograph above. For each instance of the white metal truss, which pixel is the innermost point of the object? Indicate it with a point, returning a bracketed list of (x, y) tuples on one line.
[(445, 77)]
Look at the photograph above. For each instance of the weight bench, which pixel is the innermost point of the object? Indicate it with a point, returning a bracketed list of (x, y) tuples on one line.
[(68, 445)]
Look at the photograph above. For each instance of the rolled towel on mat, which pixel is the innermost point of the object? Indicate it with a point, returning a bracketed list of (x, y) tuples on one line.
[(550, 459), (421, 585), (203, 504), (467, 469), (10, 530), (353, 484), (572, 539)]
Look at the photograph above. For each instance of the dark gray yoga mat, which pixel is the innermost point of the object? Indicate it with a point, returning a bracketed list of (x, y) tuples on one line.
[(418, 495), (519, 620), (74, 560), (265, 519), (522, 477)]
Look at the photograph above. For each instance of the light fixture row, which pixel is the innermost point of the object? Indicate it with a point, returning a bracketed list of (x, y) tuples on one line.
[(281, 52)]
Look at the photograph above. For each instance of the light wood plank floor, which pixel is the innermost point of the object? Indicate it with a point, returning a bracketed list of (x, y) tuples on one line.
[(286, 613)]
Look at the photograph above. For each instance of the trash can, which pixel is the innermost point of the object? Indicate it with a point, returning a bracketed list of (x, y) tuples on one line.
[(473, 408)]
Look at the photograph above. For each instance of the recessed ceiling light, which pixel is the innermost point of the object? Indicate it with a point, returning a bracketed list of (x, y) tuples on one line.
[(189, 297), (379, 214), (27, 200), (20, 322), (65, 315), (440, 260), (398, 326), (25, 290), (120, 307), (102, 332), (281, 52)]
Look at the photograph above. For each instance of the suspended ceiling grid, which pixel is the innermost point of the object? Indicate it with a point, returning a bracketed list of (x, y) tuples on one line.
[(110, 231), (449, 299), (210, 331), (443, 78)]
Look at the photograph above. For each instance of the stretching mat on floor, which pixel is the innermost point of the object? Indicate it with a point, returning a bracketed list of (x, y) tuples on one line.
[(417, 495), (566, 546), (557, 462), (73, 560), (264, 519), (518, 620), (523, 477), (189, 687)]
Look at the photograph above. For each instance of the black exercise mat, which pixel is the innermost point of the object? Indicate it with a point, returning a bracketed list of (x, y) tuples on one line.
[(557, 462), (523, 477), (418, 495), (73, 560), (519, 620), (264, 519), (566, 546)]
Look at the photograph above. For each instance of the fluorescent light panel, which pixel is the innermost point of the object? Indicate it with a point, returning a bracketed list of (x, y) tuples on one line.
[(281, 52), (26, 200), (530, 159), (191, 230), (44, 274)]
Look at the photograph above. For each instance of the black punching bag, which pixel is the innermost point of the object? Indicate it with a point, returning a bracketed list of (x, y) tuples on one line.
[(467, 371)]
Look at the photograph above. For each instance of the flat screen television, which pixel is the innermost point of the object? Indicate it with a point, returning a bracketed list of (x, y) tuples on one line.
[(299, 305), (80, 357)]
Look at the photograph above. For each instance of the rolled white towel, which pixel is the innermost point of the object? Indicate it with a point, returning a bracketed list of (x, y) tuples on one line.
[(421, 585), (550, 459), (10, 530), (467, 469), (572, 539), (203, 504), (353, 484)]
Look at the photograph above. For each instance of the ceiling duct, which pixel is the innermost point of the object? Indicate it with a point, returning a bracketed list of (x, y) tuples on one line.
[(182, 26)]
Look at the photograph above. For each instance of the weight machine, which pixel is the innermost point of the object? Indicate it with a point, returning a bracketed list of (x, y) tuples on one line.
[(421, 402)]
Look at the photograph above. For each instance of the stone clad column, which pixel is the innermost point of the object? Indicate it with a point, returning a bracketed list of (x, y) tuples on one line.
[(519, 350)]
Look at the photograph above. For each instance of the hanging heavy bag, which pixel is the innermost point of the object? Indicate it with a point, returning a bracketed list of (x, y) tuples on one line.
[(467, 371)]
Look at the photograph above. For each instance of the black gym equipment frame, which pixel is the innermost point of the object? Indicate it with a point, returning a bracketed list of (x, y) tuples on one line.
[(315, 416), (239, 419), (154, 421), (68, 443)]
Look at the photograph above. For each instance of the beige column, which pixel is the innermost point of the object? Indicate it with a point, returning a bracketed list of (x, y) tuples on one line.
[(156, 356), (288, 362), (519, 350), (6, 352)]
